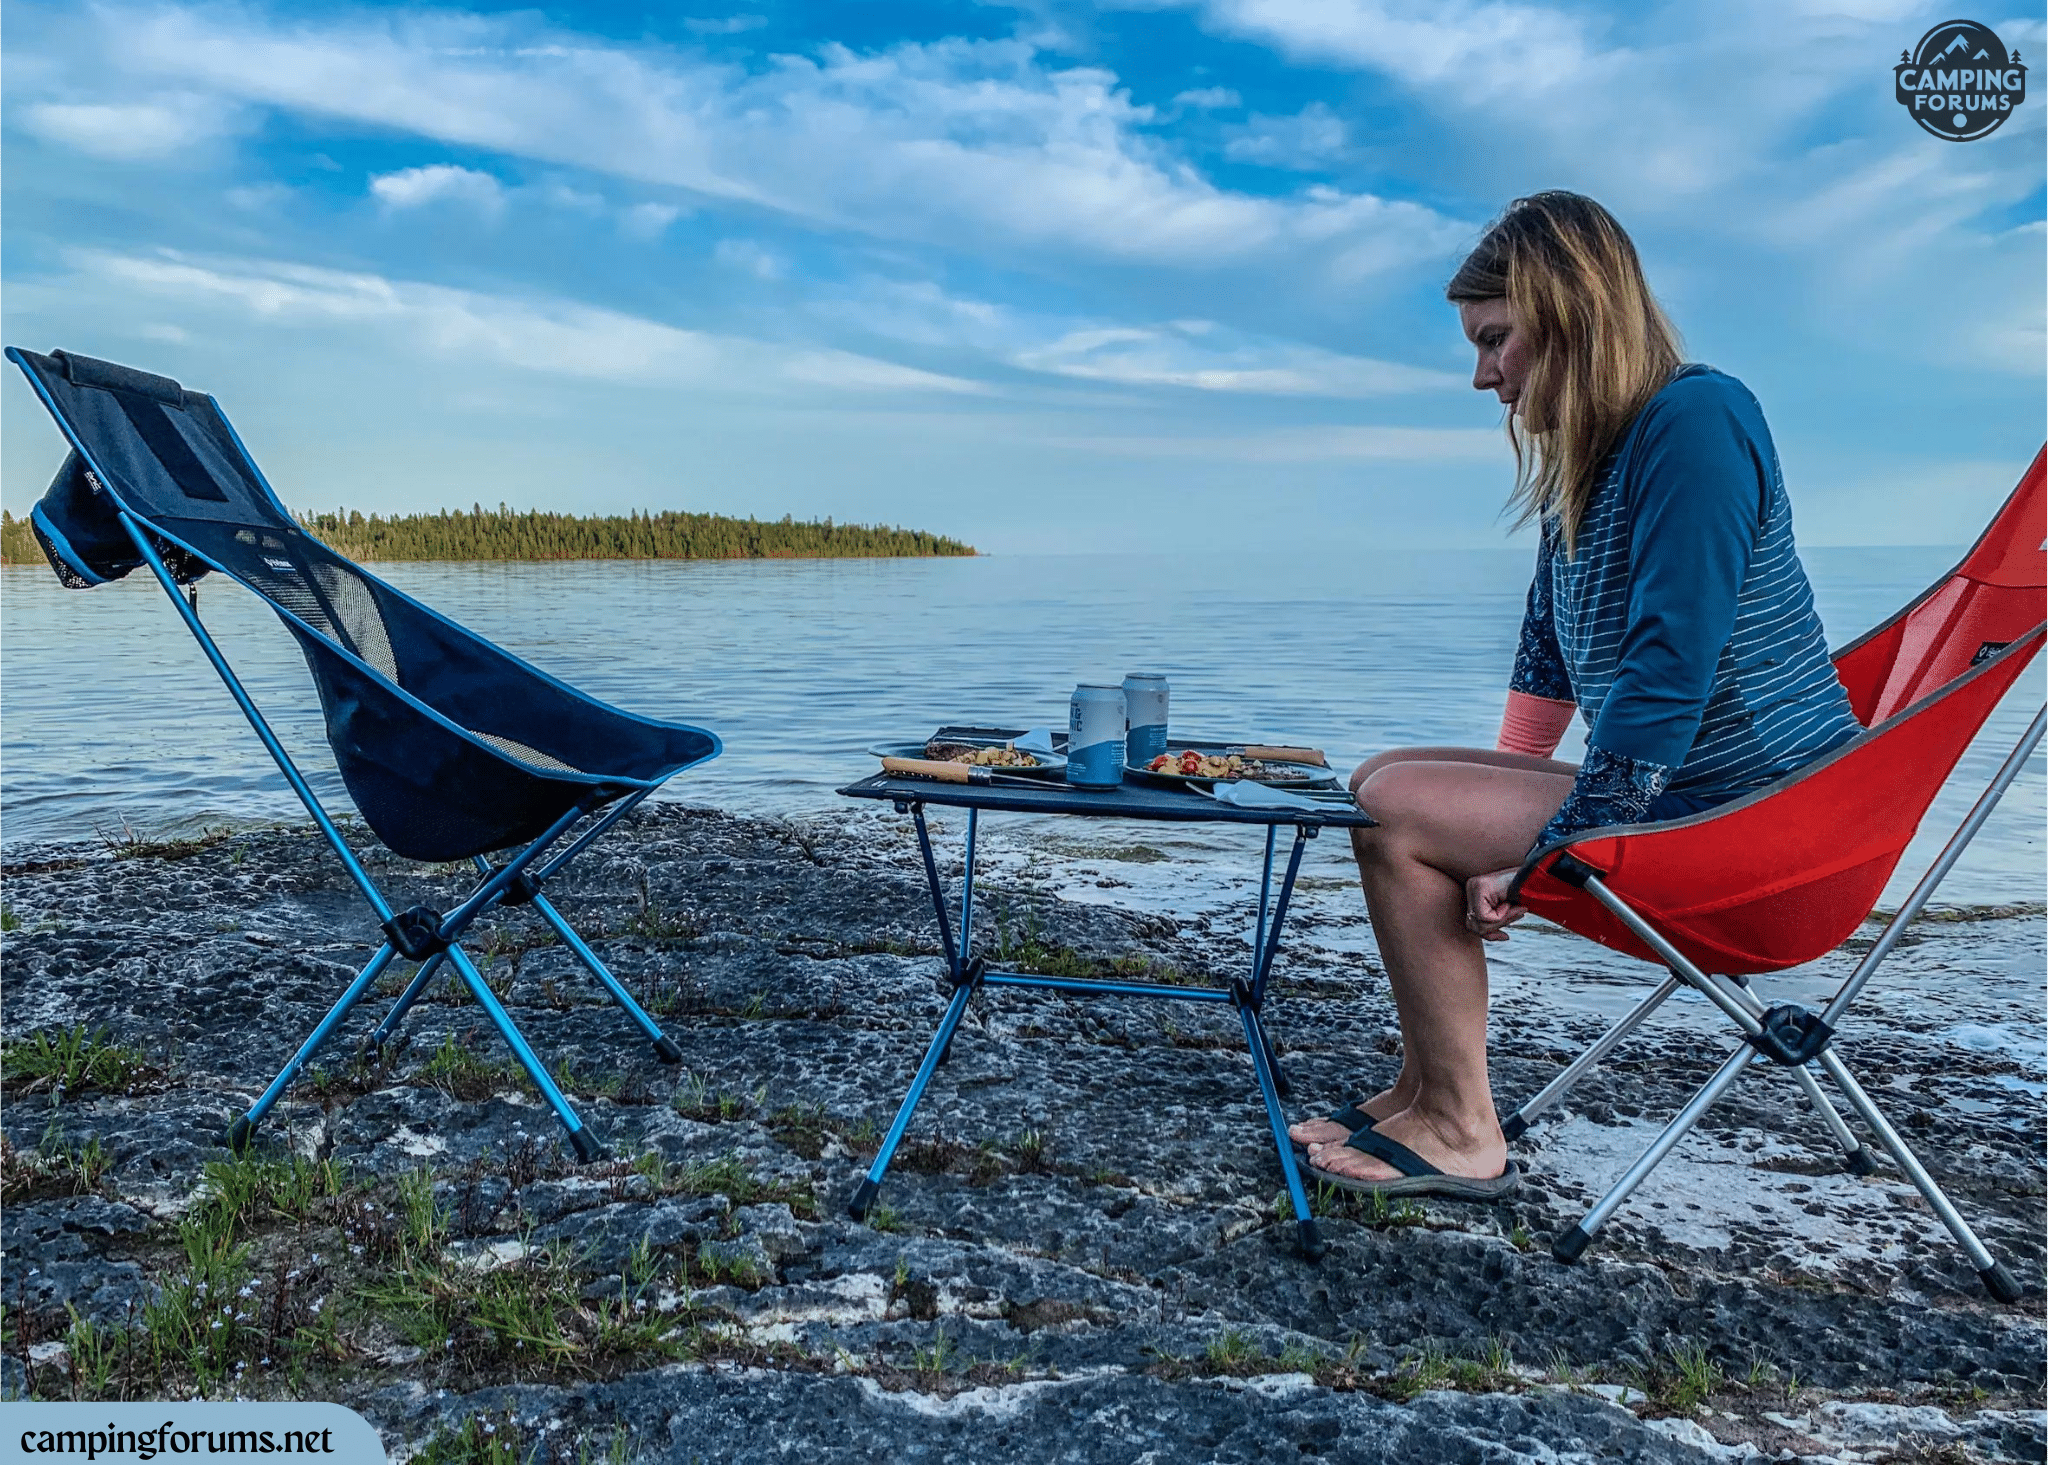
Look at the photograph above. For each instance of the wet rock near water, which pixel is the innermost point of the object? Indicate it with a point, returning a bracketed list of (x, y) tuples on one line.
[(1082, 1252)]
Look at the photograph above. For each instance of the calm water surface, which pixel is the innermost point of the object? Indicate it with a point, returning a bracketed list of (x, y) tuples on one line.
[(111, 714)]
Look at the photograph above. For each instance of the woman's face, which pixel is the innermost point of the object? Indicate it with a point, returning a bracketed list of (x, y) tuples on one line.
[(1503, 364)]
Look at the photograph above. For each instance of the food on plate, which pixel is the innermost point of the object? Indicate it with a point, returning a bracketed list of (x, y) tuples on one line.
[(1191, 764), (974, 757)]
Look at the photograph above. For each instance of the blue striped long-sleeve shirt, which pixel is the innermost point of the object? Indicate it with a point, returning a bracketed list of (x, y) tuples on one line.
[(1682, 623)]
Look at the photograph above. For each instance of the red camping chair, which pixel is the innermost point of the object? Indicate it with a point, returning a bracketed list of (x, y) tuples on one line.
[(1786, 874)]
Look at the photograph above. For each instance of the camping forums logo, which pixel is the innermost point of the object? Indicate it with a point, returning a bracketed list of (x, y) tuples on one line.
[(1959, 83)]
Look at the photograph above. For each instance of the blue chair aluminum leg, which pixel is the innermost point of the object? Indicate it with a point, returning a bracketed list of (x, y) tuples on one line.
[(239, 1133), (664, 1046), (412, 993), (864, 1197), (587, 1148), (1312, 1243)]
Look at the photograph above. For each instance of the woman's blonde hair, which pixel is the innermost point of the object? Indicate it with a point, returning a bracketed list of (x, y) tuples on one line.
[(1600, 346)]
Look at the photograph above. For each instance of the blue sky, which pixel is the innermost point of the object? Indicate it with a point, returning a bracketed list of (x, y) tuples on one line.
[(1049, 276)]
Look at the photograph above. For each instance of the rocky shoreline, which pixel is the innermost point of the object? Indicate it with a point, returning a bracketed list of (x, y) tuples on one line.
[(1081, 1253)]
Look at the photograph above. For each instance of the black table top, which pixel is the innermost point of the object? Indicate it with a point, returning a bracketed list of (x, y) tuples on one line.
[(1130, 800)]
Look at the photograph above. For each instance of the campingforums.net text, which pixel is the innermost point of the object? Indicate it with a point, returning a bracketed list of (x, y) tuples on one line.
[(168, 1439)]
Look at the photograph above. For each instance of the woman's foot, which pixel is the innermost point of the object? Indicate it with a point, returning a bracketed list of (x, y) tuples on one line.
[(1479, 1152), (1312, 1132)]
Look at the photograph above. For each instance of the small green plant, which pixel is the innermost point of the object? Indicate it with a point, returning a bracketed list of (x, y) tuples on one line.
[(53, 1167), (424, 1223), (1685, 1378), (695, 1099), (482, 1439), (126, 843), (9, 921), (1230, 1350), (247, 1189), (462, 1073), (1520, 1239), (95, 1353), (885, 1217), (67, 1061), (936, 1357)]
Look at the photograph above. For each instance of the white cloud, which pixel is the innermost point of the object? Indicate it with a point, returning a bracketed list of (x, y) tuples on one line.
[(554, 336), (750, 258), (1190, 355), (731, 25), (1187, 354), (131, 132), (1313, 445), (1209, 99), (412, 188), (968, 143), (1478, 51), (647, 220), (1311, 139)]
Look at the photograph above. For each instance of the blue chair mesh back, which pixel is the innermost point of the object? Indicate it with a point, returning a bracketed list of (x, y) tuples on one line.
[(448, 745)]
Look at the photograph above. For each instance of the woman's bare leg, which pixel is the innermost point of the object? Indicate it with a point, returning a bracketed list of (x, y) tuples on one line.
[(1442, 822), (1402, 1093)]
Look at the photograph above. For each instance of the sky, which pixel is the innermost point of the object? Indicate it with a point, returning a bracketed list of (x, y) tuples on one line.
[(1047, 276)]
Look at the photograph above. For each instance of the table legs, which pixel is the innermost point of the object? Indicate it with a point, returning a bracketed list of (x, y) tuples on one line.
[(965, 973)]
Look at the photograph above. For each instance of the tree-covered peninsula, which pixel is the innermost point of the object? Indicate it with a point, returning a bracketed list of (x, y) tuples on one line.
[(506, 534)]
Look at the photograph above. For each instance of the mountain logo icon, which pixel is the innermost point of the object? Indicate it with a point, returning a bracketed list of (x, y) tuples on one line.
[(1960, 98)]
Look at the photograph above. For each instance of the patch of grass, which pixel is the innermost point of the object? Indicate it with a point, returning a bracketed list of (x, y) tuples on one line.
[(807, 1129), (53, 1168), (935, 1358), (728, 1176), (694, 1098), (527, 1312), (1024, 947), (1231, 1352), (482, 1439), (126, 843), (1681, 1381), (461, 1072), (1374, 1210), (69, 1061), (9, 921), (246, 1189)]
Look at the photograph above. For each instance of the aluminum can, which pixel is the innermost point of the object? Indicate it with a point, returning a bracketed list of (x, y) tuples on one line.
[(1145, 695), (1095, 736)]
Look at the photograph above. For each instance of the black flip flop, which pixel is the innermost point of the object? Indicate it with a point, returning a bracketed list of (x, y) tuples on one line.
[(1418, 1176), (1350, 1116)]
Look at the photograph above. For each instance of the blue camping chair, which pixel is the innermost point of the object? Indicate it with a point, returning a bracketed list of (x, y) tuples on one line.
[(451, 748)]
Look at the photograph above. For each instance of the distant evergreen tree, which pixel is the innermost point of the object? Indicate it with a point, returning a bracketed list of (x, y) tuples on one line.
[(503, 534)]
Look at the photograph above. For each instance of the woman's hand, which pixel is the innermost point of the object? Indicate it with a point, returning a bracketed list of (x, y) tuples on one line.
[(1487, 907)]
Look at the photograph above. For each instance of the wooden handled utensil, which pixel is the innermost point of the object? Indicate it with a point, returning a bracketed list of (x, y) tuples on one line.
[(952, 772), (1283, 755)]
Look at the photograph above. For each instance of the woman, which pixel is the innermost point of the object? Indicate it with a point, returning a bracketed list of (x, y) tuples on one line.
[(1669, 609)]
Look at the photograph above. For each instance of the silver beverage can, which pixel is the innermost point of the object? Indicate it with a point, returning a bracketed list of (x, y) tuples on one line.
[(1095, 736), (1145, 695)]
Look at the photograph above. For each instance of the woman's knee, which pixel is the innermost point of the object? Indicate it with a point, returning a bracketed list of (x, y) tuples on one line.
[(1397, 794), (1377, 762)]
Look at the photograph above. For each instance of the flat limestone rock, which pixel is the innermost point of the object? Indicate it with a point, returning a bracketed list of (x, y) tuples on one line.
[(1080, 1253)]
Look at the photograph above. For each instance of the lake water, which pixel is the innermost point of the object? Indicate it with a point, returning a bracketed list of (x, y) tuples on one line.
[(112, 717)]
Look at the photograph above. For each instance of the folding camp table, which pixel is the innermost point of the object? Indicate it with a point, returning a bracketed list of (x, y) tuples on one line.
[(967, 972)]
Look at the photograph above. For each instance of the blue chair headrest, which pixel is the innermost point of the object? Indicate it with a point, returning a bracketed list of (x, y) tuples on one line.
[(88, 371)]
